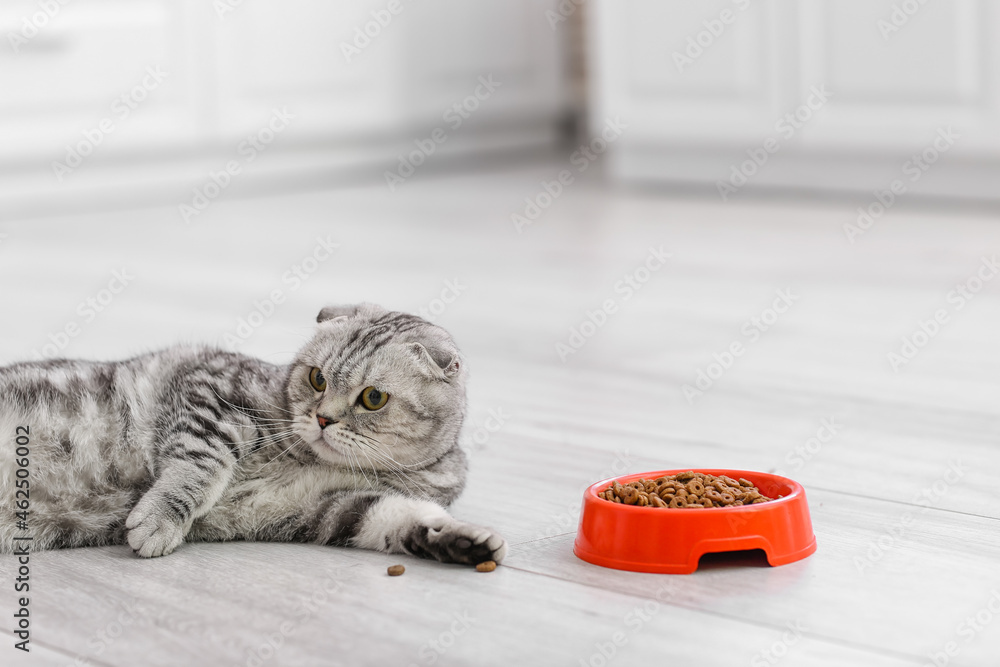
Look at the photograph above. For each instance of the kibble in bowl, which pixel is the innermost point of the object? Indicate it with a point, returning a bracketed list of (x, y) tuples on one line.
[(686, 490)]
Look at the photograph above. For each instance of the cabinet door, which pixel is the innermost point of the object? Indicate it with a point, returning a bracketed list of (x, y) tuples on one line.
[(110, 74), (679, 71), (384, 68), (897, 75), (452, 46), (332, 64)]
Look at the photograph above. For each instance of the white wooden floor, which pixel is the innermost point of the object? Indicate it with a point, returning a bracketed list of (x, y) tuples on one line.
[(897, 576)]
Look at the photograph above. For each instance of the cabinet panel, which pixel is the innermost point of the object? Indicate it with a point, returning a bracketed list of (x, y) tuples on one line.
[(873, 51), (897, 77), (309, 57), (705, 49), (687, 72), (450, 44), (113, 62)]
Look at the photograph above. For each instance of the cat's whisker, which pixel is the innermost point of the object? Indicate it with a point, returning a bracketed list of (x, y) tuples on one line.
[(393, 467), (378, 445), (361, 468), (238, 408), (277, 456), (350, 438), (280, 409), (257, 426), (390, 464), (245, 409), (373, 467), (262, 441)]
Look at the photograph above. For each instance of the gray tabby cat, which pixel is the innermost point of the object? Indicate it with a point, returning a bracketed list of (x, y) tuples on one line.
[(355, 443)]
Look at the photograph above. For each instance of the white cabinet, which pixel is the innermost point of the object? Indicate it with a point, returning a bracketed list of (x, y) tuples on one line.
[(288, 54), (702, 87), (387, 69), (105, 77), (361, 77)]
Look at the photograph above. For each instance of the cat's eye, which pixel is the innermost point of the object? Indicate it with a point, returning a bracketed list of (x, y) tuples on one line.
[(373, 399), (317, 380)]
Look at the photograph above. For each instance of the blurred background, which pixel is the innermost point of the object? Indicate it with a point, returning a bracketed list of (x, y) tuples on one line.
[(500, 166), (112, 103)]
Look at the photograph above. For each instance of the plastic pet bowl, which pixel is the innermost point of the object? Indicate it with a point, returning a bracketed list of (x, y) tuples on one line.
[(672, 540)]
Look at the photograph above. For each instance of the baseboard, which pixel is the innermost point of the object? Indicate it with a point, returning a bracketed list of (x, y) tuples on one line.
[(860, 177), (31, 191)]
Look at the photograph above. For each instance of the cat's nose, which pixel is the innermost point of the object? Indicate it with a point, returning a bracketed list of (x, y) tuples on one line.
[(324, 421)]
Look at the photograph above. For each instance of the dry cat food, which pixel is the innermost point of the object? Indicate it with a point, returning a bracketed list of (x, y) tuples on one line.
[(694, 490), (486, 566), (396, 570)]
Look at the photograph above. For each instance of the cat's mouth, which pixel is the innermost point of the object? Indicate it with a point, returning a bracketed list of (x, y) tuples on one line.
[(328, 439), (333, 445), (326, 443)]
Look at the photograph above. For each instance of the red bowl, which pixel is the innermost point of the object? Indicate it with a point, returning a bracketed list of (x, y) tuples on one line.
[(671, 541)]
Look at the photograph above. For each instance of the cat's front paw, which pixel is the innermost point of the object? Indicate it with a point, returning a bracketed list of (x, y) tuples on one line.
[(151, 531), (451, 541)]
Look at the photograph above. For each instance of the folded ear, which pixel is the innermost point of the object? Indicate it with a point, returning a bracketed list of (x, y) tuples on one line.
[(330, 312), (350, 310), (439, 359)]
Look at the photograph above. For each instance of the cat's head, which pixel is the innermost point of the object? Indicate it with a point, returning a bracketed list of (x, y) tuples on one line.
[(377, 389)]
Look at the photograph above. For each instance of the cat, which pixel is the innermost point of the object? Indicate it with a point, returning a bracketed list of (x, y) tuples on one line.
[(355, 443)]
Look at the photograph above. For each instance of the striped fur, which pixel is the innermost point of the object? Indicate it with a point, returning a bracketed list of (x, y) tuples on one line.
[(196, 443)]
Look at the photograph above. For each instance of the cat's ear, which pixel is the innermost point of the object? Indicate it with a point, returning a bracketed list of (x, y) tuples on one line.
[(438, 359), (331, 312), (350, 310)]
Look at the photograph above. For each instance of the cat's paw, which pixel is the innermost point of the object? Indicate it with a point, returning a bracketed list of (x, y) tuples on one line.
[(152, 532), (451, 541)]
